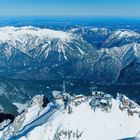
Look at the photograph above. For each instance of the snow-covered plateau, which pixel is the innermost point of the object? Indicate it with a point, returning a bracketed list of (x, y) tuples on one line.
[(98, 116)]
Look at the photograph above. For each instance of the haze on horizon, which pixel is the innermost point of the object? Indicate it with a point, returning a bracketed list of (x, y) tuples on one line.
[(115, 8)]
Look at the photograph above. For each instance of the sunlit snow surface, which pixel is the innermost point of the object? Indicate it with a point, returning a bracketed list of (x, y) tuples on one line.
[(78, 121), (96, 125)]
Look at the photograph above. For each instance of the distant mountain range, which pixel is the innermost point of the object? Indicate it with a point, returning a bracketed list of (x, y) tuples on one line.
[(101, 55)]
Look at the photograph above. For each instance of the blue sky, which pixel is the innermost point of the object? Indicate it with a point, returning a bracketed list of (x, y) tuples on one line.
[(124, 8)]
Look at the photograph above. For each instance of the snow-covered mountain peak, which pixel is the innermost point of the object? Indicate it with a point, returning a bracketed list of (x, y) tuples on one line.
[(27, 38), (121, 37), (8, 33), (41, 43), (104, 31), (79, 117), (126, 33)]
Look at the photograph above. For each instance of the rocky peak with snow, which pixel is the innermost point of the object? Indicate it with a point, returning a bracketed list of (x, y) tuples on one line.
[(98, 116)]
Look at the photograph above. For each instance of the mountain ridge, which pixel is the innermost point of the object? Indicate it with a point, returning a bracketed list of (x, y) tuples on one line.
[(96, 54)]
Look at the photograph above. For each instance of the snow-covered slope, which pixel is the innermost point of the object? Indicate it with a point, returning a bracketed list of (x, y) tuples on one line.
[(98, 117)]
